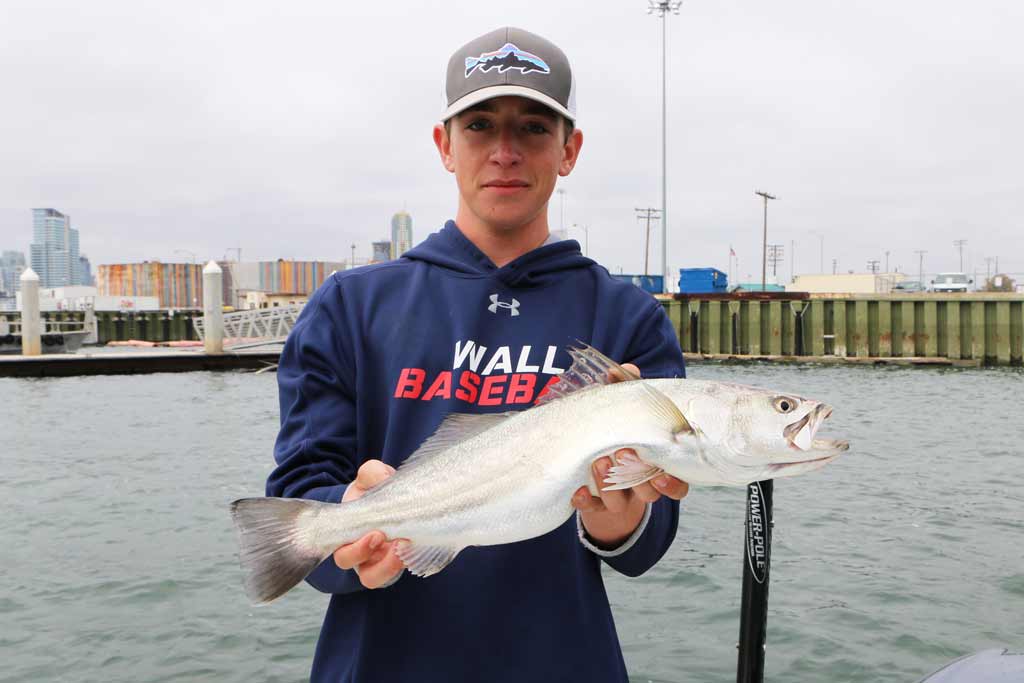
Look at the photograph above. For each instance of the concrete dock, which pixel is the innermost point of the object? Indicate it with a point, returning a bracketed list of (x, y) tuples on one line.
[(142, 362)]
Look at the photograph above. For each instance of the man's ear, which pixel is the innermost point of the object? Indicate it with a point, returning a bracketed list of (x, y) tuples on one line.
[(571, 152), (444, 147)]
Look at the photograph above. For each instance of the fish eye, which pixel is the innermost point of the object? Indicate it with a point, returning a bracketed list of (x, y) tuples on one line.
[(785, 404)]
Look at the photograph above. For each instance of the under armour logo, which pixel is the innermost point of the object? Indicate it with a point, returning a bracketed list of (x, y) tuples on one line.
[(496, 304)]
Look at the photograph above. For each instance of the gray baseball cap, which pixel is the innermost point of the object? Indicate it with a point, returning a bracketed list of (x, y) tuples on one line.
[(510, 61)]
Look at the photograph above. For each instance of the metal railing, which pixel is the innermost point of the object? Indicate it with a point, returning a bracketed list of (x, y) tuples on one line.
[(256, 326), (13, 326)]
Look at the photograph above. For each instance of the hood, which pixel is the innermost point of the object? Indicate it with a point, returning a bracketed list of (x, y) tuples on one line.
[(450, 249)]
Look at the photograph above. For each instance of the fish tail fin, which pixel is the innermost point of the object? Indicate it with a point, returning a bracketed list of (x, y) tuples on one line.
[(275, 548)]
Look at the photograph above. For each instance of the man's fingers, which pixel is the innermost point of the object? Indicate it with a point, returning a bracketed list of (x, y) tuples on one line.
[(614, 501), (584, 502), (348, 556), (616, 376), (371, 473), (379, 571), (646, 492), (675, 489)]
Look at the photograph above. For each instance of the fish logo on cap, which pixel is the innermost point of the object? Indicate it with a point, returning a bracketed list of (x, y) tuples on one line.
[(508, 57)]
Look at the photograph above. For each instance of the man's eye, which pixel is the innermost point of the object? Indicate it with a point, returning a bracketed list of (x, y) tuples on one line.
[(478, 124), (538, 128)]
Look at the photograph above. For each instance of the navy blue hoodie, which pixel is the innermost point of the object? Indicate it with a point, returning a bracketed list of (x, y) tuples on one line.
[(378, 357)]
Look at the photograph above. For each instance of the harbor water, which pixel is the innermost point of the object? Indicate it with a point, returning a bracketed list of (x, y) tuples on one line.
[(119, 560)]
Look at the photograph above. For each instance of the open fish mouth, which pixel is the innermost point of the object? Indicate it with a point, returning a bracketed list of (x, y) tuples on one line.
[(800, 434)]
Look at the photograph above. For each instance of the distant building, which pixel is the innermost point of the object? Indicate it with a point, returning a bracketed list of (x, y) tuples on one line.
[(256, 300), (80, 298), (54, 250), (381, 252), (12, 265), (85, 272), (175, 285), (180, 285), (846, 283), (401, 234)]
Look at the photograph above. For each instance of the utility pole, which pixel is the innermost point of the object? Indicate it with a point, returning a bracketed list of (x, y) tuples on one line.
[(920, 264), (835, 264), (988, 268), (648, 214), (352, 263), (663, 8), (764, 242), (775, 254), (873, 266), (886, 262), (959, 244)]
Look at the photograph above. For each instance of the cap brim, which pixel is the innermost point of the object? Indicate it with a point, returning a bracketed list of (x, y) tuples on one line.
[(492, 91)]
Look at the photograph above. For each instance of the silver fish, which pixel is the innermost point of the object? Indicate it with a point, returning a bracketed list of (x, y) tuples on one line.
[(502, 478)]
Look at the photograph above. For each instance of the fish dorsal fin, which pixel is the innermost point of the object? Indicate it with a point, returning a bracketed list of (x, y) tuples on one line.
[(590, 368), (454, 429)]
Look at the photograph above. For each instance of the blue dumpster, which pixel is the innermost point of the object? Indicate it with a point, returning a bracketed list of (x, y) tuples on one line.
[(702, 281)]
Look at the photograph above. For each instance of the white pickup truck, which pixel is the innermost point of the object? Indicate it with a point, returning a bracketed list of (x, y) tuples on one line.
[(950, 282)]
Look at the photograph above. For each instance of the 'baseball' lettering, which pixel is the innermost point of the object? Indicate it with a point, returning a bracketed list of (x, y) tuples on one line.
[(410, 383)]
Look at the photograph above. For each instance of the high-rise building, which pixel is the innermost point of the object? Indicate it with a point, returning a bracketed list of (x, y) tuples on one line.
[(12, 265), (85, 272), (54, 250), (381, 252), (401, 234)]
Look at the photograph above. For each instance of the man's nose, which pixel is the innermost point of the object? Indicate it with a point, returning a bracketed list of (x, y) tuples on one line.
[(506, 151)]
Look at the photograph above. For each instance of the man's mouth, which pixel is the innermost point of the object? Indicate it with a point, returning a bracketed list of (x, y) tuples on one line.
[(506, 184)]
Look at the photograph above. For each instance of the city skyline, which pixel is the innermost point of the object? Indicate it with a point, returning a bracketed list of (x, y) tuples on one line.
[(907, 146)]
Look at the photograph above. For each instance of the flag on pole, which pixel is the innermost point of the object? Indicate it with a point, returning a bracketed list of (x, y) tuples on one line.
[(731, 252)]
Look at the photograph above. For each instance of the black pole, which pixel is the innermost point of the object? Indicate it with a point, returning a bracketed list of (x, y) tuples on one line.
[(756, 564)]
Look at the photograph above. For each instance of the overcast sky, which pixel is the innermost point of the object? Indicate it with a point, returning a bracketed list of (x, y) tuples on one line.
[(296, 129)]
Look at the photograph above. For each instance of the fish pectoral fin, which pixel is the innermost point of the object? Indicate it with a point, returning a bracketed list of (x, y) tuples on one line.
[(425, 560), (666, 412), (629, 471)]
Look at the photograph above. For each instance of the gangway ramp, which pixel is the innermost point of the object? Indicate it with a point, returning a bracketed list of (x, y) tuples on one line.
[(255, 327)]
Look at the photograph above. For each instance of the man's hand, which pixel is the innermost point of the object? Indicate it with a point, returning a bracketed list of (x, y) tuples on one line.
[(372, 556), (613, 516)]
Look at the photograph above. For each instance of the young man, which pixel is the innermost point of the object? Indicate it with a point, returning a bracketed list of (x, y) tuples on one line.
[(475, 319)]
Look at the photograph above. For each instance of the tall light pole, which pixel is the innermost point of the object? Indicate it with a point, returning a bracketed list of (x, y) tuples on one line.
[(764, 243), (821, 250), (586, 232), (959, 244), (920, 264), (663, 8)]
